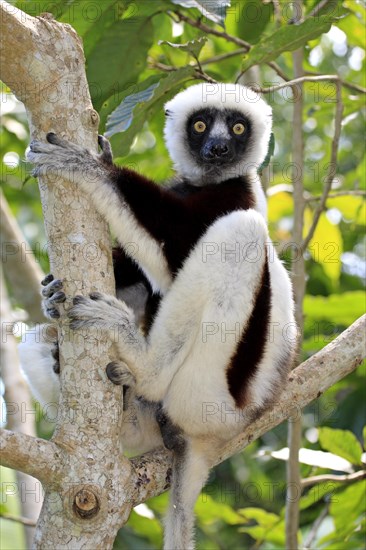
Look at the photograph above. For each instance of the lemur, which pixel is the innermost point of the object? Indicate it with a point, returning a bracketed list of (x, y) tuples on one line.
[(221, 331)]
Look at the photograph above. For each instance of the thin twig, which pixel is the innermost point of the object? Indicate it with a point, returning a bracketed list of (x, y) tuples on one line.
[(198, 24), (277, 69), (302, 79), (316, 10), (19, 519), (352, 193), (223, 56), (315, 527), (199, 74), (293, 477), (332, 166), (349, 478)]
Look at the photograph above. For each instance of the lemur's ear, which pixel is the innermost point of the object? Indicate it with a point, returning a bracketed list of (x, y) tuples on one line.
[(167, 112)]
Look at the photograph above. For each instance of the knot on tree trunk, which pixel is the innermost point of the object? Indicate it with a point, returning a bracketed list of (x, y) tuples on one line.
[(86, 504)]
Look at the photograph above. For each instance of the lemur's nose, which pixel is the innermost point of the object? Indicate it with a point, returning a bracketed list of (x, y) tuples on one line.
[(219, 150), (215, 149)]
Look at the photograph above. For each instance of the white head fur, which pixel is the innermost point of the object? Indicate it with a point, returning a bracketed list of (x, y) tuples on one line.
[(221, 96)]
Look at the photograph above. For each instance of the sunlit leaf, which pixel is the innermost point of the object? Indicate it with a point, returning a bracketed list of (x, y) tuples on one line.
[(326, 245), (341, 442), (352, 207), (279, 205), (319, 459), (261, 516)]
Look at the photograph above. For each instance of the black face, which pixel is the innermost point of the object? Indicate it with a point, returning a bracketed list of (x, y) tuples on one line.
[(218, 138)]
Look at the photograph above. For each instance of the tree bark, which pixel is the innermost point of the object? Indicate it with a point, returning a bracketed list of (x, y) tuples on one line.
[(90, 487), (52, 84)]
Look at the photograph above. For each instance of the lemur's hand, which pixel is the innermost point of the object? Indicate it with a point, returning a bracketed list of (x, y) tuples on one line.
[(64, 159), (52, 296)]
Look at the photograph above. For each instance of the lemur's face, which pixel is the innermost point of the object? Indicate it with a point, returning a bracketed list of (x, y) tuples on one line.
[(215, 132), (217, 138)]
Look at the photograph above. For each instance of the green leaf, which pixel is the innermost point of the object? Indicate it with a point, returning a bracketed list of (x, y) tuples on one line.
[(215, 11), (193, 47), (118, 58), (121, 118), (286, 39), (364, 436), (261, 516), (209, 511), (253, 17), (349, 506), (341, 442), (133, 113), (339, 309), (317, 492)]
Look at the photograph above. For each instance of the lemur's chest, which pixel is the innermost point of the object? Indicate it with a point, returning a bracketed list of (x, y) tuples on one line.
[(200, 208)]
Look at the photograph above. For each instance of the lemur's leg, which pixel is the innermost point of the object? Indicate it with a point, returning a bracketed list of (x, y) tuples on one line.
[(218, 285), (107, 184)]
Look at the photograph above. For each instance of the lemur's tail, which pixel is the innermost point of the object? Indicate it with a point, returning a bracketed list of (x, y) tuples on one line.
[(191, 467)]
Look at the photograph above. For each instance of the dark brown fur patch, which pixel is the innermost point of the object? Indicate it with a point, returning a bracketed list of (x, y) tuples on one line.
[(252, 346), (177, 217)]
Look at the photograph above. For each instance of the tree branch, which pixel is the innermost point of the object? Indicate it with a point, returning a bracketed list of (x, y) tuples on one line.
[(21, 269), (18, 402), (19, 519), (34, 456), (350, 478)]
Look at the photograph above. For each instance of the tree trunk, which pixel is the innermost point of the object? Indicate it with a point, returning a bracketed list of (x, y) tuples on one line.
[(90, 487), (52, 84)]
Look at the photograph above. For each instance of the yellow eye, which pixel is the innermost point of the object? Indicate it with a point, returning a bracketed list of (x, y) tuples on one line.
[(238, 128), (199, 126)]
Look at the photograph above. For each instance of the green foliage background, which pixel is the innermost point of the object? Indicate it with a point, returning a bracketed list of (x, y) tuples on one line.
[(129, 69)]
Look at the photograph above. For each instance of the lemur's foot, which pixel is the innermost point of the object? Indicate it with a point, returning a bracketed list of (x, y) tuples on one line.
[(102, 312), (53, 295), (173, 436), (119, 373)]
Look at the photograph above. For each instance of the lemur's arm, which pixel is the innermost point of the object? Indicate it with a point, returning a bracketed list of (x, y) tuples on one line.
[(133, 205)]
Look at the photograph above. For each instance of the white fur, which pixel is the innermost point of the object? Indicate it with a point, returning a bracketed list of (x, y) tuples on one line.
[(220, 96), (36, 363)]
